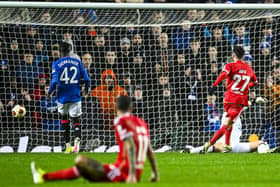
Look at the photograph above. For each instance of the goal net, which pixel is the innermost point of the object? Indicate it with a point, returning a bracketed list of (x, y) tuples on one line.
[(165, 59)]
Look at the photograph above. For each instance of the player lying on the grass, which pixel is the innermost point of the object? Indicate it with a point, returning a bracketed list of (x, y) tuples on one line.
[(133, 138), (240, 77), (237, 146)]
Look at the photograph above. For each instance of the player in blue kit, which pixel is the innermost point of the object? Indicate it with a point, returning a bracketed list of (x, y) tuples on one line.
[(67, 73)]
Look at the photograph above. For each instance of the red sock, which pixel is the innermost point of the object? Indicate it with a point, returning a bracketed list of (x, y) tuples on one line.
[(227, 135), (218, 135), (69, 173)]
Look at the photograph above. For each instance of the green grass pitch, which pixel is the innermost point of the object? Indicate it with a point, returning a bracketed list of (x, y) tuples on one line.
[(175, 169)]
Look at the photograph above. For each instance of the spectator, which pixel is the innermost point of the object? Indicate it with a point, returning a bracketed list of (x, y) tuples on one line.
[(137, 43), (263, 61), (92, 69), (210, 75), (39, 89), (138, 101), (138, 68), (162, 55), (125, 55), (107, 93), (158, 17), (222, 46), (47, 110), (127, 83), (182, 36), (212, 55), (271, 91), (196, 56), (112, 62), (200, 15), (79, 20), (90, 14), (192, 15), (28, 71), (152, 36), (241, 37), (99, 48), (248, 59), (41, 57), (267, 34), (32, 35), (212, 121), (46, 18), (53, 56), (14, 54), (110, 35), (67, 35)]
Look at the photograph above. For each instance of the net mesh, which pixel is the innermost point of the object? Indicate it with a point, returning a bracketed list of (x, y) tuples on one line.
[(165, 60)]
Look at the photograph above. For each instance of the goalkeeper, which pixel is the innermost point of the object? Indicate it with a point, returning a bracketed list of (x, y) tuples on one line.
[(67, 73)]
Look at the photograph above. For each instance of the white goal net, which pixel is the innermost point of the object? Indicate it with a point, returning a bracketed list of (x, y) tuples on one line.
[(165, 59)]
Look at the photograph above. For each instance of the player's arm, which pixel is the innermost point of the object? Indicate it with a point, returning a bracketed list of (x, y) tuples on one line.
[(86, 78), (54, 80), (226, 71), (152, 161), (130, 148)]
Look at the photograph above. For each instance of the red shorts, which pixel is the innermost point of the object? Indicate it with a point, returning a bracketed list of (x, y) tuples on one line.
[(114, 174), (233, 110)]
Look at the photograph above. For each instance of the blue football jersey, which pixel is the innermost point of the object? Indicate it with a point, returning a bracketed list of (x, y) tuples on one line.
[(67, 73)]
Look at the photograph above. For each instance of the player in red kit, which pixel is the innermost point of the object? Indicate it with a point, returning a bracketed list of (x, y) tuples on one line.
[(132, 136), (240, 77)]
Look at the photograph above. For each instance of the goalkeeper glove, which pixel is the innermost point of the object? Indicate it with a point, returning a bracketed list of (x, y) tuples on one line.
[(261, 100)]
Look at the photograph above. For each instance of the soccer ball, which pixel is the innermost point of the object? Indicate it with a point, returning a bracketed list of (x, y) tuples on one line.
[(18, 111), (263, 148)]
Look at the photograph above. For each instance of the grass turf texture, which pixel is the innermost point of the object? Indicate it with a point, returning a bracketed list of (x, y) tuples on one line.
[(175, 169)]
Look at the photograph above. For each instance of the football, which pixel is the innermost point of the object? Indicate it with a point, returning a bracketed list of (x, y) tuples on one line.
[(263, 148), (18, 111)]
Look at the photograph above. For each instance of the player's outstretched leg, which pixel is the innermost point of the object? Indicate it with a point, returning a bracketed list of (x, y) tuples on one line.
[(66, 135), (77, 133), (40, 176), (90, 169)]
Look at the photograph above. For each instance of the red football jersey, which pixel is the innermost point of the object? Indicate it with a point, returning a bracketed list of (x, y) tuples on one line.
[(126, 126), (239, 76)]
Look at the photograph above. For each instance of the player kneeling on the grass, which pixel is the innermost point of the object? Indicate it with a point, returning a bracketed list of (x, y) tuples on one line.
[(132, 136), (240, 77), (66, 76)]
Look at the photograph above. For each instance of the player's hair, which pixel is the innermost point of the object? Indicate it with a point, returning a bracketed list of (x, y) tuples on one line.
[(238, 51), (123, 103), (65, 48)]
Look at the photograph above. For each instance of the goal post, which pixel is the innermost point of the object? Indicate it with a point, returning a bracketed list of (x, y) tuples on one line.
[(165, 56)]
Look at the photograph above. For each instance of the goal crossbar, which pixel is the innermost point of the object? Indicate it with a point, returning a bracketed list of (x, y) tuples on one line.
[(177, 6)]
